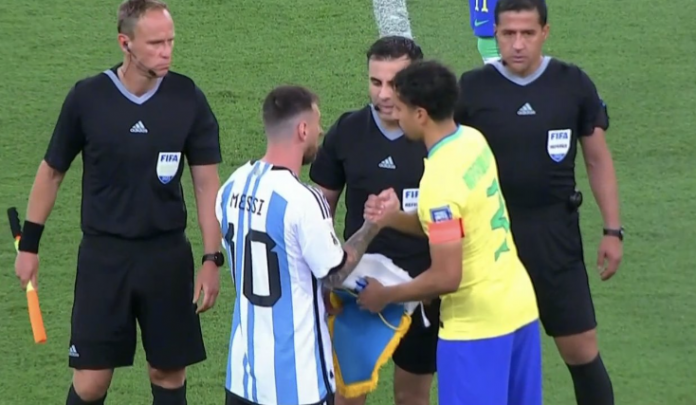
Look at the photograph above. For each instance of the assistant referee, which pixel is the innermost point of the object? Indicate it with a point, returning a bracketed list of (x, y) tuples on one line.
[(533, 110), (135, 125)]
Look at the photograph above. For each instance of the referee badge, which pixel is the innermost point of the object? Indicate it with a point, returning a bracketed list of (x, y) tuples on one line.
[(409, 200), (167, 166), (558, 144)]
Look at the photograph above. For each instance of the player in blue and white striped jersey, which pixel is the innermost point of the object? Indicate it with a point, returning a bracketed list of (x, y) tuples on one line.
[(283, 252)]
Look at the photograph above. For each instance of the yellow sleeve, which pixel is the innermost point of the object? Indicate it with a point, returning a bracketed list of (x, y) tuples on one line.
[(440, 208)]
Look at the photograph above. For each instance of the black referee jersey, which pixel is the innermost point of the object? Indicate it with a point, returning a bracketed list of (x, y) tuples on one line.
[(133, 151), (532, 125), (365, 158)]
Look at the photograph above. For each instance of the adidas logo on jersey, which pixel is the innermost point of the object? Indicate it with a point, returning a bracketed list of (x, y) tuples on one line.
[(526, 109), (138, 128), (387, 163)]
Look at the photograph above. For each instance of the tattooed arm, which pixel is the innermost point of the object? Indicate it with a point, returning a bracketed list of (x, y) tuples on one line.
[(326, 258), (353, 249)]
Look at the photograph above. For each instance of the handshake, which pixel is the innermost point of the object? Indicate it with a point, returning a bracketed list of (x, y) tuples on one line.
[(382, 209)]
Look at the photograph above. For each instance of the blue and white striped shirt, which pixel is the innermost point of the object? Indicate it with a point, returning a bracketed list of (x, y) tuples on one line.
[(280, 241)]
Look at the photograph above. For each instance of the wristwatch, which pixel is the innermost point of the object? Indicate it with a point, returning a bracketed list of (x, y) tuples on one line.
[(619, 233), (218, 258)]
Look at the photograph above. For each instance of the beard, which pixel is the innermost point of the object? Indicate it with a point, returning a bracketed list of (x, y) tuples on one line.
[(309, 155)]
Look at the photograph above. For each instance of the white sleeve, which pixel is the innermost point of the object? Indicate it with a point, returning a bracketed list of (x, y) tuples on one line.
[(319, 244), (218, 205), (218, 211)]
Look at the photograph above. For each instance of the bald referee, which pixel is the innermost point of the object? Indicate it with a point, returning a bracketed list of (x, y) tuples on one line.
[(534, 111), (134, 124)]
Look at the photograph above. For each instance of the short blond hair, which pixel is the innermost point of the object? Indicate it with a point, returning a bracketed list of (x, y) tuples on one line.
[(130, 12)]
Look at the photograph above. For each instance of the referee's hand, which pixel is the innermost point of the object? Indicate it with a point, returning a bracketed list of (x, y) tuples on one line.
[(208, 282), (27, 268), (609, 257)]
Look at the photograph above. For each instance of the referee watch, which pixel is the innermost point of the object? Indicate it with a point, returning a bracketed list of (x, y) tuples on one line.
[(619, 233), (218, 258)]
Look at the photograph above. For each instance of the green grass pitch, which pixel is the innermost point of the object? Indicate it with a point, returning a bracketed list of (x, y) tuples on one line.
[(639, 53)]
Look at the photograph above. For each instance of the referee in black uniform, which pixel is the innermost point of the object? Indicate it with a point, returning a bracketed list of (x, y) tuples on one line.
[(135, 125), (533, 110), (366, 152)]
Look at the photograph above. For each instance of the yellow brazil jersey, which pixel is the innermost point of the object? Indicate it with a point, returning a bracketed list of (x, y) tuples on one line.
[(460, 183)]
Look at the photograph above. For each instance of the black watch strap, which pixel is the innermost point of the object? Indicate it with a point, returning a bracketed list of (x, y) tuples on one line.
[(218, 258), (619, 233)]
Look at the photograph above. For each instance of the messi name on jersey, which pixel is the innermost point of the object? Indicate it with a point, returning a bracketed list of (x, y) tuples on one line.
[(246, 202)]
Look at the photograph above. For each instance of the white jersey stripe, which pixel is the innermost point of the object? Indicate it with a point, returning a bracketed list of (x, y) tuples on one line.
[(318, 338), (245, 310), (253, 309), (225, 225)]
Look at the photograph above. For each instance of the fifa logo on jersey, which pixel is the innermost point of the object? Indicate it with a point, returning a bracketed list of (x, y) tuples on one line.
[(410, 193), (169, 157), (558, 135), (409, 199), (167, 166), (558, 144)]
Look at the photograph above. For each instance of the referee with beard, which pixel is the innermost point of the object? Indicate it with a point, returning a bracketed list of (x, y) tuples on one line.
[(135, 124), (533, 110), (365, 152)]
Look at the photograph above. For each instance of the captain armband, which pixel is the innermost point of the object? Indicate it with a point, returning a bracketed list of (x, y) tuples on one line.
[(450, 230)]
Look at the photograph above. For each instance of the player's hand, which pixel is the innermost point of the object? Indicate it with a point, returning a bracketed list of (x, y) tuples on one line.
[(609, 256), (380, 208), (27, 268), (330, 308), (208, 281), (372, 296)]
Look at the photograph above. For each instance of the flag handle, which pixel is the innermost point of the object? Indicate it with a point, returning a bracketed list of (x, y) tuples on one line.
[(35, 317)]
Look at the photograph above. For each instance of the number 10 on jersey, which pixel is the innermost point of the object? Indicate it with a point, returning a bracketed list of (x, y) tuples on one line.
[(252, 265)]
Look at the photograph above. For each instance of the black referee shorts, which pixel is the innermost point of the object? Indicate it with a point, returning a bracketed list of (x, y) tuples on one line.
[(417, 351), (550, 246), (120, 282)]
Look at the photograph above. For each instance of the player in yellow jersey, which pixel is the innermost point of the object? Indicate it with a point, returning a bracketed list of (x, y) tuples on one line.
[(489, 349)]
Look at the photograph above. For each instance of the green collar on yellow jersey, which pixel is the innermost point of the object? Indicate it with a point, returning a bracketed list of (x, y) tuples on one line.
[(446, 139)]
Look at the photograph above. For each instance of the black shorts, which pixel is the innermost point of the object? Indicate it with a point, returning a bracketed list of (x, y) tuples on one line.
[(417, 351), (119, 282), (549, 244), (231, 399)]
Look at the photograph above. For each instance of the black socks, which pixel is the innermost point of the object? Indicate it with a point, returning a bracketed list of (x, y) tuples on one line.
[(74, 399), (592, 383), (160, 396), (164, 396)]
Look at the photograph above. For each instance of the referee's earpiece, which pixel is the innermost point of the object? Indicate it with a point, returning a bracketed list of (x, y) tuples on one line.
[(150, 72)]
